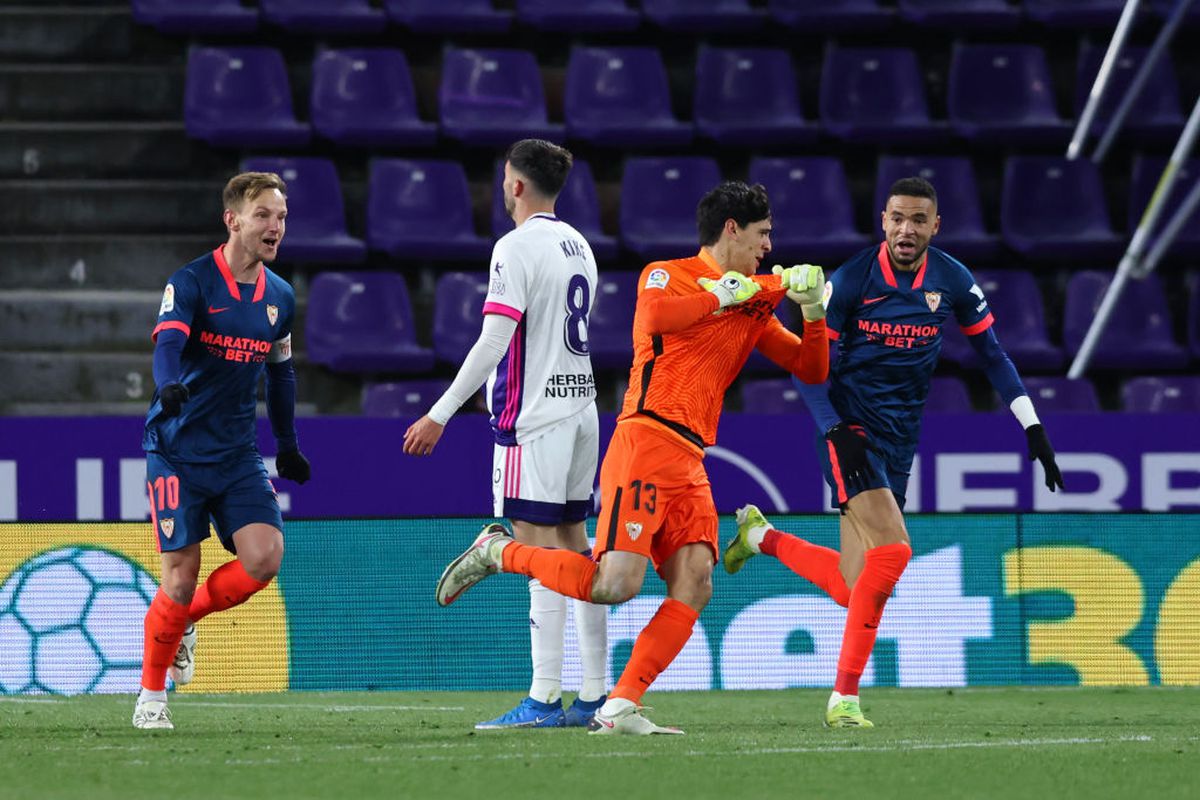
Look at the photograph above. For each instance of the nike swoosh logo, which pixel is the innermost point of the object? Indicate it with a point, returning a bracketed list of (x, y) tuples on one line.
[(869, 300), (212, 310), (604, 722), (540, 720)]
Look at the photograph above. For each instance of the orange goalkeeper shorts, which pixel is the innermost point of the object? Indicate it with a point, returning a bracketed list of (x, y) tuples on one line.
[(654, 495)]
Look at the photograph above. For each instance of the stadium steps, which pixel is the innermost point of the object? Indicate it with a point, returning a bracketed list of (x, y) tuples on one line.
[(111, 206), (102, 31), (91, 91), (100, 261)]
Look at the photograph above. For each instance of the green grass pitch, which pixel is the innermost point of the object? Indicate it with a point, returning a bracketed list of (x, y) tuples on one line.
[(964, 743)]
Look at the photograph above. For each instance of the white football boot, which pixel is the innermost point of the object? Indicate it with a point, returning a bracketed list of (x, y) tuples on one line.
[(481, 559), (184, 667), (152, 714), (625, 719)]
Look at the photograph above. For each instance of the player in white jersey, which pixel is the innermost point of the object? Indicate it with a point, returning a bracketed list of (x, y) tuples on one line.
[(541, 394)]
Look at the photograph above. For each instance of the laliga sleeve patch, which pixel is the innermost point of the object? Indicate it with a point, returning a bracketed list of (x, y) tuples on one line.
[(657, 279), (168, 301), (827, 295)]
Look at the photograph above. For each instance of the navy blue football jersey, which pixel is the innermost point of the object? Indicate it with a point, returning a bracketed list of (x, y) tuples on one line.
[(233, 329), (888, 328)]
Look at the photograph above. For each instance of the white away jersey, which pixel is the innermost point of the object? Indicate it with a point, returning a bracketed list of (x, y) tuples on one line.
[(543, 276)]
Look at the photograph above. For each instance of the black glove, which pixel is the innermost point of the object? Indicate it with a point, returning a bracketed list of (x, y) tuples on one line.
[(1039, 448), (173, 396), (850, 443), (292, 465)]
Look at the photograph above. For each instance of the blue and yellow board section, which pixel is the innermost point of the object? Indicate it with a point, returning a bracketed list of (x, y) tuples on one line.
[(1106, 599)]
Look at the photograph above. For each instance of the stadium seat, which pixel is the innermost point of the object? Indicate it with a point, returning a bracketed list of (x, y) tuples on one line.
[(401, 398), (491, 98), (812, 212), (316, 230), (948, 396), (1156, 115), (1176, 394), (1054, 209), (876, 96), (1163, 8), (711, 16), (610, 325), (961, 15), (362, 322), (365, 97), (188, 17), (1059, 395), (323, 17), (1020, 323), (439, 16), (658, 204), (961, 234), (240, 97), (1003, 94), (618, 97), (772, 396), (1146, 172), (1074, 13), (422, 210), (578, 16), (1140, 340), (577, 204), (749, 97), (458, 314), (831, 16)]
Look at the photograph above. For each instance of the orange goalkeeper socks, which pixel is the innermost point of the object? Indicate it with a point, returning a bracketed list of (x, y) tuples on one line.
[(228, 585), (882, 569), (164, 626), (818, 565), (656, 647), (561, 571)]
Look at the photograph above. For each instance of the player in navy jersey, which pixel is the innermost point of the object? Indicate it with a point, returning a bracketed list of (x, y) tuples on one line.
[(886, 307), (224, 320)]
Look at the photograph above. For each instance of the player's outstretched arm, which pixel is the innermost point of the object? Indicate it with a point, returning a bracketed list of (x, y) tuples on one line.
[(731, 288), (423, 435), (804, 284)]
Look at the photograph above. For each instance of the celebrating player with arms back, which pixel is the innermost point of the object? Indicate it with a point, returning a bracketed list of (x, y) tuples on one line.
[(224, 318)]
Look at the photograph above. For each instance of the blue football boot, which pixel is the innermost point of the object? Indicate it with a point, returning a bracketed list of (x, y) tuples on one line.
[(529, 713), (581, 712)]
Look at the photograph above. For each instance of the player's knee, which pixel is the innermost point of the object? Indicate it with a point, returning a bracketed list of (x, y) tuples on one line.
[(179, 587), (613, 589), (263, 564), (697, 591)]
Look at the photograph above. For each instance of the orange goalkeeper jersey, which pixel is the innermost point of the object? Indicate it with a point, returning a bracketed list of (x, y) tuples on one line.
[(685, 356)]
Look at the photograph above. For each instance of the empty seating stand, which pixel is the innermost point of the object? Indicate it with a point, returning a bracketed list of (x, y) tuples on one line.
[(1168, 394), (401, 398), (711, 16), (619, 97), (190, 18), (240, 97), (831, 16), (421, 209), (458, 314), (961, 15), (658, 208), (749, 97), (439, 16), (812, 212), (1020, 323), (610, 325), (491, 98), (577, 205), (1060, 395), (578, 16), (323, 17), (1053, 209), (1141, 340), (1003, 93), (365, 97)]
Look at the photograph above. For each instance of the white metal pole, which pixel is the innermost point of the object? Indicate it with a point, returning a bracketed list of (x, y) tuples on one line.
[(1110, 58)]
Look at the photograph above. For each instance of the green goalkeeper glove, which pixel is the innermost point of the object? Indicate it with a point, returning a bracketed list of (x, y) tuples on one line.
[(732, 287), (804, 284)]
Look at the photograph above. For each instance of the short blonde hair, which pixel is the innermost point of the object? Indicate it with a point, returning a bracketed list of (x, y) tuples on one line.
[(249, 185)]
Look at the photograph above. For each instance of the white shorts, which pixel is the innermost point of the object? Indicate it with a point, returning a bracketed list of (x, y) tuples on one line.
[(549, 480)]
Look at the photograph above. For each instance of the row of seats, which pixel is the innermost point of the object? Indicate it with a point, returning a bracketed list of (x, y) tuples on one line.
[(947, 395), (688, 16), (1051, 208), (620, 97), (362, 322)]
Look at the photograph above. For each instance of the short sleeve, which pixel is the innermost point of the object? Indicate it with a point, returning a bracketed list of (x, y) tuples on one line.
[(508, 281), (970, 305), (180, 299)]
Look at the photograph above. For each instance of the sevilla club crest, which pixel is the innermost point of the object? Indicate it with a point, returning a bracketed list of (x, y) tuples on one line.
[(634, 529), (168, 526), (273, 312), (933, 300)]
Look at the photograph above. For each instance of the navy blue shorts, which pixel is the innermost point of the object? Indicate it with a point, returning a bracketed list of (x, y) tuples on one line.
[(184, 497), (889, 470)]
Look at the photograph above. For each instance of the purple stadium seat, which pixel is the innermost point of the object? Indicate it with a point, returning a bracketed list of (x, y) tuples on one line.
[(1146, 172), (577, 204), (831, 16), (1139, 340), (1059, 395), (948, 396), (316, 229), (961, 234), (1075, 13), (772, 396), (811, 208), (1163, 9), (240, 97), (422, 210), (321, 16), (189, 17), (658, 204), (711, 16), (578, 16), (876, 95), (362, 322), (1156, 114), (439, 16), (458, 314), (619, 97), (1176, 394), (401, 398), (610, 325), (1054, 209), (960, 15), (365, 97), (1016, 303), (1003, 93), (491, 98), (749, 97)]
